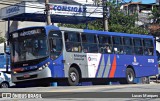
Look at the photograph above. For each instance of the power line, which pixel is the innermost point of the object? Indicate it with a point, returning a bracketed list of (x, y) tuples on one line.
[(30, 6), (4, 2)]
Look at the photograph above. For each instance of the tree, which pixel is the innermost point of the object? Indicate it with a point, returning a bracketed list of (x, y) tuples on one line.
[(155, 25), (118, 22), (2, 40)]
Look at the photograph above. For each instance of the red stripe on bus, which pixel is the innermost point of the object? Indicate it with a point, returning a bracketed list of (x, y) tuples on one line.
[(113, 68)]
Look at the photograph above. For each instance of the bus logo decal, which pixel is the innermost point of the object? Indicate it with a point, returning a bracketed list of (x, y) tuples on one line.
[(135, 61), (89, 58), (25, 64)]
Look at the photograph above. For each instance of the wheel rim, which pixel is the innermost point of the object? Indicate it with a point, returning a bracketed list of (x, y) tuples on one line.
[(130, 77), (73, 76), (4, 85)]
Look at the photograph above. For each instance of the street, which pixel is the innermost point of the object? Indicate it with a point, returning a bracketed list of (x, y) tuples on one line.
[(135, 92)]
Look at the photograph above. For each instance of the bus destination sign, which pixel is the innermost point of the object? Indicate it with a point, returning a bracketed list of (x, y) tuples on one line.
[(30, 32)]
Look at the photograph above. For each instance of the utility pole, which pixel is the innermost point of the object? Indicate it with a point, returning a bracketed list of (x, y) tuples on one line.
[(47, 8), (105, 18), (159, 6)]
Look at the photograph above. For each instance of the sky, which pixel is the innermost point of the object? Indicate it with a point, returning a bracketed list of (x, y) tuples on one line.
[(143, 1)]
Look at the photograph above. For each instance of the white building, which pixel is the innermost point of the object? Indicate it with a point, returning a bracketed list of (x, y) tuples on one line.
[(19, 24), (13, 24)]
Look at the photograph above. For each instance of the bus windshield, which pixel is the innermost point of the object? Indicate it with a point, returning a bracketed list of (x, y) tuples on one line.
[(30, 48)]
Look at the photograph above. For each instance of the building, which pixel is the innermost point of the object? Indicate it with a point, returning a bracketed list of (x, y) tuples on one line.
[(19, 24), (143, 9), (13, 24)]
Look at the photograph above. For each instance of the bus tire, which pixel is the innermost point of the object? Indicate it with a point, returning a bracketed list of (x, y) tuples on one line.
[(73, 77), (130, 76), (4, 85)]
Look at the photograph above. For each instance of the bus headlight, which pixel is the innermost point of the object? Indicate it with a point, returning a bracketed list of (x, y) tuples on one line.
[(40, 68), (44, 66), (14, 72)]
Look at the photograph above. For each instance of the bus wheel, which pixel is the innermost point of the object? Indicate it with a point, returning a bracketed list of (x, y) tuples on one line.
[(73, 77), (130, 76), (4, 85)]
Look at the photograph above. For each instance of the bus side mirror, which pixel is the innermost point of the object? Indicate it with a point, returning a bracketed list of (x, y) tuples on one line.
[(6, 49)]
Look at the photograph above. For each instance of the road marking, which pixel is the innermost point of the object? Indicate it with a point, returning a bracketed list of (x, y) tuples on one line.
[(92, 88)]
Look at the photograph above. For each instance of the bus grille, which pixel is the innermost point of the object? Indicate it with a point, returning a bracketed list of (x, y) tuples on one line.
[(23, 78)]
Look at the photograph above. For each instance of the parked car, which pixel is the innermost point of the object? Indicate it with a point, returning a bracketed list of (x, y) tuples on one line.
[(5, 80)]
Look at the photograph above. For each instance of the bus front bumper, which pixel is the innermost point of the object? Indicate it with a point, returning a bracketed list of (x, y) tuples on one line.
[(37, 74)]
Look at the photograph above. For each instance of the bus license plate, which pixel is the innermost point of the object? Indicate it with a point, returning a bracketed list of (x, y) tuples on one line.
[(26, 76)]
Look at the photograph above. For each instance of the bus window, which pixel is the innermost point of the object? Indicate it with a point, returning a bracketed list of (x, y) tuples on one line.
[(55, 43), (105, 44), (138, 50), (148, 47), (117, 45), (89, 43), (158, 55), (72, 42), (127, 42)]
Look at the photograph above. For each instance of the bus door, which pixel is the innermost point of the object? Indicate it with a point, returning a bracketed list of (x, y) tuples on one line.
[(55, 43)]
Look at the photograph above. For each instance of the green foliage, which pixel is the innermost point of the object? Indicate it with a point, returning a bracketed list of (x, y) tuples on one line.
[(2, 40), (155, 15), (118, 22)]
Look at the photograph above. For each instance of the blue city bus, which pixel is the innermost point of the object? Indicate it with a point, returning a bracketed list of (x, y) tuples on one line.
[(47, 53), (4, 61)]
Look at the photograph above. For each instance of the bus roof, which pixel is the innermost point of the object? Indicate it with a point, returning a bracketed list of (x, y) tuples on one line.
[(102, 32), (50, 27)]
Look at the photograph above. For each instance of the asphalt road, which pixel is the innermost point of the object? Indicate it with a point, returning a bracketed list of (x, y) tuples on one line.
[(135, 92)]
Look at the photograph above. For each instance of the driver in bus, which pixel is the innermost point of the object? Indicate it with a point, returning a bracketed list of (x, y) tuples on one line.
[(29, 54), (15, 57)]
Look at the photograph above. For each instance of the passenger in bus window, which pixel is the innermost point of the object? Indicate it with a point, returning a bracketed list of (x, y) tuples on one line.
[(149, 52), (115, 50), (145, 51), (16, 57), (79, 48), (85, 50), (53, 48), (74, 49), (140, 51), (68, 47), (121, 51), (107, 49)]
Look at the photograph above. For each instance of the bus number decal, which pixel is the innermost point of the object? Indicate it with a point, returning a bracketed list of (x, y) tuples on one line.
[(150, 60)]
